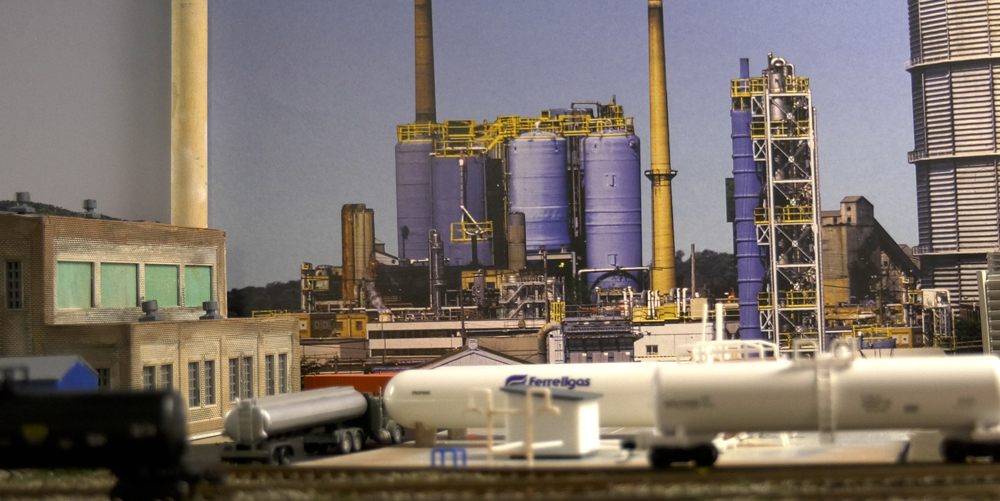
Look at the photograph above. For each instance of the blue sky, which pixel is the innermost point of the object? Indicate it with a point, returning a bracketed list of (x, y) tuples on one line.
[(305, 95), (304, 98)]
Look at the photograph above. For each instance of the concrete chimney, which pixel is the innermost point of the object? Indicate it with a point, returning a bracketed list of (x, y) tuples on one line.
[(189, 113), (663, 276)]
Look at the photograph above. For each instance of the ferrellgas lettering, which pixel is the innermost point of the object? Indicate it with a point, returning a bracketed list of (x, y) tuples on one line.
[(563, 382)]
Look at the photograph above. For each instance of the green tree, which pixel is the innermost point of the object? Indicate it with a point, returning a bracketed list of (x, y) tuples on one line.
[(715, 272)]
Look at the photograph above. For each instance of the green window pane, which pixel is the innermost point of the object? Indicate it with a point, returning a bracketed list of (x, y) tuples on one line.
[(197, 285), (161, 284), (119, 285), (74, 285)]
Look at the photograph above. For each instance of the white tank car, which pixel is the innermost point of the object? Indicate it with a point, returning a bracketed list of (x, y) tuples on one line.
[(958, 395), (946, 393), (438, 398)]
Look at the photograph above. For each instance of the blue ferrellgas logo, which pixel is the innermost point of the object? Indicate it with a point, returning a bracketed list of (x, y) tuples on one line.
[(563, 382)]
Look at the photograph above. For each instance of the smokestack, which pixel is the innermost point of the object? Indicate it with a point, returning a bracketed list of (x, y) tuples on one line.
[(424, 52), (663, 277), (189, 113)]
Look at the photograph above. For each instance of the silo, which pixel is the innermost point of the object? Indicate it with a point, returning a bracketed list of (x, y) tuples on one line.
[(414, 211), (536, 163), (612, 198), (746, 183), (448, 195), (954, 63)]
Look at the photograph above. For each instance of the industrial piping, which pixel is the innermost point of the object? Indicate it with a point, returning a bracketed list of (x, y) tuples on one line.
[(189, 113), (746, 184), (424, 54), (663, 276)]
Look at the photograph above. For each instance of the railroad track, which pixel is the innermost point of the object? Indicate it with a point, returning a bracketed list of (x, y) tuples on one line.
[(930, 481)]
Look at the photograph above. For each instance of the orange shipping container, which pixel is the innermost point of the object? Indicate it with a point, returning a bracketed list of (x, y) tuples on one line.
[(370, 383)]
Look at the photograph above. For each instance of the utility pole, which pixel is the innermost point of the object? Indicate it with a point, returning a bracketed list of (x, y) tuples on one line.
[(692, 271)]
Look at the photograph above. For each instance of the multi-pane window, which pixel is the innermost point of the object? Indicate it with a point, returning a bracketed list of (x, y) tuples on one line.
[(269, 374), (119, 285), (149, 378), (162, 284), (194, 386), (234, 379), (283, 373), (74, 285), (14, 290), (103, 379), (166, 377), (247, 378), (197, 285), (652, 349), (210, 382)]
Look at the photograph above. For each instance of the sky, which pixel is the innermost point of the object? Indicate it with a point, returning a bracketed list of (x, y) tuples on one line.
[(304, 98)]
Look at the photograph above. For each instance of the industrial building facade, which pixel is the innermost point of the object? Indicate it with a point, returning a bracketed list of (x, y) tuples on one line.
[(73, 286), (861, 261), (955, 70)]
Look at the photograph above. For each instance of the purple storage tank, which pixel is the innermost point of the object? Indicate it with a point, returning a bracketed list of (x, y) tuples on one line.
[(612, 198), (746, 183), (414, 212), (536, 163), (447, 201)]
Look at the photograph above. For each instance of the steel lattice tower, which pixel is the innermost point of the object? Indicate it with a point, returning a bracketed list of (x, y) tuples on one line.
[(787, 222)]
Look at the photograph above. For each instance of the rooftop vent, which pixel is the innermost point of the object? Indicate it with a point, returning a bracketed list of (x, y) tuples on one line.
[(211, 311), (90, 209), (22, 207), (151, 310)]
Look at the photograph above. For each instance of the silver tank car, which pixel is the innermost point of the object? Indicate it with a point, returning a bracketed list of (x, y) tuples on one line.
[(255, 420)]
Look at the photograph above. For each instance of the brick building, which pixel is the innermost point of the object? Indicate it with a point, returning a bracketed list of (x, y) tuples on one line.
[(73, 286)]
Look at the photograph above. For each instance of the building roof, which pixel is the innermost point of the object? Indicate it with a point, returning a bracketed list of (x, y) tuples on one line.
[(43, 368), (855, 198), (472, 355)]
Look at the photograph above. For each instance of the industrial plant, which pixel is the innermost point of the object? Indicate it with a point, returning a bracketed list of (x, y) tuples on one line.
[(518, 296)]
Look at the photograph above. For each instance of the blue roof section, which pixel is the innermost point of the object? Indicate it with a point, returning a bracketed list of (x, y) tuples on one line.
[(68, 372)]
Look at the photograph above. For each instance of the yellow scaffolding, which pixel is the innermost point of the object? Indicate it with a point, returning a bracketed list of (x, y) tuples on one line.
[(745, 87), (789, 299), (466, 137), (786, 214), (463, 232), (781, 128)]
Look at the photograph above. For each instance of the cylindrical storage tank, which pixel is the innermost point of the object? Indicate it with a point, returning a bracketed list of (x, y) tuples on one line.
[(536, 163), (612, 198), (448, 180), (953, 394), (746, 195), (252, 421), (515, 241), (414, 210)]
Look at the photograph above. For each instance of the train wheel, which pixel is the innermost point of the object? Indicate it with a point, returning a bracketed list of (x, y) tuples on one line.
[(281, 456), (397, 433), (661, 457), (346, 443), (954, 451), (357, 440), (704, 455)]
